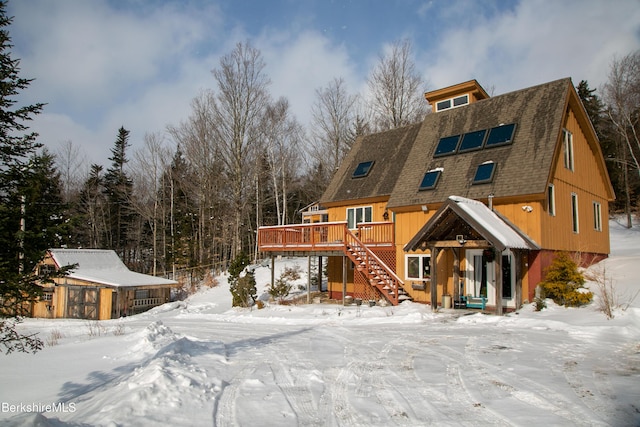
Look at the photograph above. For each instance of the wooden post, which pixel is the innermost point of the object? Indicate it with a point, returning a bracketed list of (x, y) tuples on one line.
[(434, 278), (309, 279), (344, 278), (319, 274), (456, 274), (273, 270), (498, 276), (517, 255)]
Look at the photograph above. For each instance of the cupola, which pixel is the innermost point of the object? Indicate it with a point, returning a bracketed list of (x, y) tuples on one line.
[(455, 96)]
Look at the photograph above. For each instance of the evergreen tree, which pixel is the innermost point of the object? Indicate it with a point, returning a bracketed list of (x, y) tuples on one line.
[(17, 146), (118, 188)]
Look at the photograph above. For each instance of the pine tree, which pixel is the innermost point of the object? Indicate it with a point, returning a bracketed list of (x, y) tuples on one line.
[(17, 146), (118, 189), (563, 282)]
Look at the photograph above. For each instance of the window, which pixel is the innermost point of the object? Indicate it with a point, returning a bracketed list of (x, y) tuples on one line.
[(567, 138), (551, 200), (597, 216), (142, 294), (500, 135), (417, 267), (472, 140), (447, 145), (357, 215), (458, 101), (443, 105), (430, 179), (484, 173), (574, 212), (362, 169)]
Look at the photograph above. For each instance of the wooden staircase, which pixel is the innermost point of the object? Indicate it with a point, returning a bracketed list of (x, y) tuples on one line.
[(378, 274)]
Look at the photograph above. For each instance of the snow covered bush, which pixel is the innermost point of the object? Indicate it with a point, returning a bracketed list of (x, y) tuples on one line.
[(564, 283)]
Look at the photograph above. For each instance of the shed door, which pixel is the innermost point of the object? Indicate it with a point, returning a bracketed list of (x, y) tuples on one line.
[(83, 303)]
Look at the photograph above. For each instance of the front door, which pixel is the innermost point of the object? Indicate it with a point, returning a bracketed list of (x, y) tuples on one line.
[(481, 277)]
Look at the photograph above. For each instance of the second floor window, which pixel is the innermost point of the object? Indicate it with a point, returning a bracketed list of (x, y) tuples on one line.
[(568, 149), (357, 215)]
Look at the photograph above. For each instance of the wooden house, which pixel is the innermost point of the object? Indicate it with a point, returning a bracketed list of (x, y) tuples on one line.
[(467, 207), (99, 287)]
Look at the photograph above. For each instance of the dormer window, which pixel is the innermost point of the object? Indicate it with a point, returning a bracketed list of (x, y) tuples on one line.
[(362, 169), (430, 179), (484, 173), (458, 101)]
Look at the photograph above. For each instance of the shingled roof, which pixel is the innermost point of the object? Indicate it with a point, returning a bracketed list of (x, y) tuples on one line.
[(403, 156), (522, 167), (387, 150)]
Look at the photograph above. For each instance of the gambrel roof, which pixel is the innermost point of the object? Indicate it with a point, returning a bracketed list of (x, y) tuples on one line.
[(521, 166), (103, 267)]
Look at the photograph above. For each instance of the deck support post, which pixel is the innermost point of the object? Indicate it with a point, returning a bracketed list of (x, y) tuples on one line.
[(273, 271), (344, 278), (308, 279)]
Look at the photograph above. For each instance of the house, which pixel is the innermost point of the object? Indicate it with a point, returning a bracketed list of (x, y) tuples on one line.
[(99, 287), (467, 207)]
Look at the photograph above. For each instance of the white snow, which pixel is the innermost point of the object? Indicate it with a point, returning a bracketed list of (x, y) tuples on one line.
[(200, 363), (103, 266), (492, 223)]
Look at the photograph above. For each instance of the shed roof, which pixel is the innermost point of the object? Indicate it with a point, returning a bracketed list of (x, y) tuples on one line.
[(104, 267)]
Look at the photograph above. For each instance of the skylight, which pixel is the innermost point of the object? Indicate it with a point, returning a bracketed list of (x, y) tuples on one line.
[(430, 179), (362, 169), (447, 145), (472, 140), (484, 173), (500, 135)]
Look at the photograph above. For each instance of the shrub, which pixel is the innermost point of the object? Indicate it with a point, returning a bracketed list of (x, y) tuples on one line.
[(563, 283), (280, 290), (244, 290)]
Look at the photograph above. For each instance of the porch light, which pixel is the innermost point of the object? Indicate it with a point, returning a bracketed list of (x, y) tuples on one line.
[(460, 239), (424, 208)]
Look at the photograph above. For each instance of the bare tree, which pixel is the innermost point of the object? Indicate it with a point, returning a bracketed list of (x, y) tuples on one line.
[(70, 161), (622, 95), (333, 115), (281, 136), (149, 166), (241, 98), (207, 185), (396, 89)]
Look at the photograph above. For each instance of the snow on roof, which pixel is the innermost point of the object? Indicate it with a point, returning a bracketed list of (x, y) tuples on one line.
[(492, 223), (104, 267)]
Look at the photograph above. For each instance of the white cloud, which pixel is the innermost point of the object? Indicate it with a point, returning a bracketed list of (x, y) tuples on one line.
[(539, 41), (298, 64)]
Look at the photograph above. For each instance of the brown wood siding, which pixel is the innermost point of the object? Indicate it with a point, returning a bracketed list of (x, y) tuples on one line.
[(105, 304), (590, 186)]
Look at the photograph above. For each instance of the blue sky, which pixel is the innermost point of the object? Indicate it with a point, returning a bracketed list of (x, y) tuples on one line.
[(102, 64)]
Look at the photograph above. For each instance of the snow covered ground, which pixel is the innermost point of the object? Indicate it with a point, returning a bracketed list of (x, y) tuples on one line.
[(200, 362)]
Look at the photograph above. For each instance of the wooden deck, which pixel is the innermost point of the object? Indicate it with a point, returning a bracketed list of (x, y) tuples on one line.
[(322, 236)]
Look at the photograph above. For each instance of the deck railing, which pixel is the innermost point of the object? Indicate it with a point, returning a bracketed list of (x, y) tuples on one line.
[(322, 236)]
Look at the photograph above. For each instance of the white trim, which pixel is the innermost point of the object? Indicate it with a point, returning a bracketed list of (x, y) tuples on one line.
[(597, 216), (452, 102), (575, 219), (422, 259), (551, 200)]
